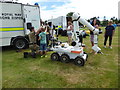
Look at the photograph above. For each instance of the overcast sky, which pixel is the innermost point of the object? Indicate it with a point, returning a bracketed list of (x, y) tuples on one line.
[(86, 8)]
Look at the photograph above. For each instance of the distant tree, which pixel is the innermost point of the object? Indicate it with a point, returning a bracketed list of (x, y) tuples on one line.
[(111, 19), (105, 22), (69, 14), (98, 17), (114, 19), (104, 17)]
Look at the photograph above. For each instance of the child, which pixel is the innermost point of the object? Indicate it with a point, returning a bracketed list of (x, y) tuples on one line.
[(109, 31), (43, 43), (69, 32)]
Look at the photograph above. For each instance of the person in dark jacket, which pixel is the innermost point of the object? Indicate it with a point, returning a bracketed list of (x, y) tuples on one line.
[(109, 32)]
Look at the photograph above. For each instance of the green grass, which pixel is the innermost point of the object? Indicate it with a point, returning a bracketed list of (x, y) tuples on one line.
[(100, 71)]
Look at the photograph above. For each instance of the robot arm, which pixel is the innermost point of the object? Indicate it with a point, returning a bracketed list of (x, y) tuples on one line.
[(76, 18)]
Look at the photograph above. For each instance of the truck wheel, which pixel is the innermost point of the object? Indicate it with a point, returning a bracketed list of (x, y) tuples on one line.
[(20, 43), (79, 61), (65, 58), (55, 57)]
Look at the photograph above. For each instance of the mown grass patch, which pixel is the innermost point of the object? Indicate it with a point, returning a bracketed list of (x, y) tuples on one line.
[(100, 71)]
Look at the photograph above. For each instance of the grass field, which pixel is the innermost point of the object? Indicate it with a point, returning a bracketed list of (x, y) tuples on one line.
[(100, 71)]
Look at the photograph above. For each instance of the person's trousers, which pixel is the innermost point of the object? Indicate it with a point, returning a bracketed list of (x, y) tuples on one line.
[(110, 40)]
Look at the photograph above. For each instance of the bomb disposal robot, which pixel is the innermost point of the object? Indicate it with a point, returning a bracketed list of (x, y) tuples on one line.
[(64, 52)]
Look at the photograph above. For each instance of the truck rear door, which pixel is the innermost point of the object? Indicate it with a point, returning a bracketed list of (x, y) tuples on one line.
[(31, 17)]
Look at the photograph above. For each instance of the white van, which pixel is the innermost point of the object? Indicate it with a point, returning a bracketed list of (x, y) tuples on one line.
[(15, 20), (59, 21)]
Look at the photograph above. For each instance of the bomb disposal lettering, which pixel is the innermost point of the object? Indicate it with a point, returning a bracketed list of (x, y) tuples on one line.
[(14, 16)]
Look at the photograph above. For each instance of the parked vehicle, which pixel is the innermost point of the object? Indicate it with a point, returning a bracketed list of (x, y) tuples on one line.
[(16, 19)]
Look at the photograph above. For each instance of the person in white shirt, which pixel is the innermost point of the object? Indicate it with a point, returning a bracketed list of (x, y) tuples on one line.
[(69, 32)]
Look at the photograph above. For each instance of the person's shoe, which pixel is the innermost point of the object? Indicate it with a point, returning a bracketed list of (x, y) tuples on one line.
[(104, 46), (110, 47), (41, 56), (45, 56)]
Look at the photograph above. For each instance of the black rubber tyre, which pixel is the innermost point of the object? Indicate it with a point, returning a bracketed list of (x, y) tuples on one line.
[(55, 57), (65, 58), (79, 61), (20, 43)]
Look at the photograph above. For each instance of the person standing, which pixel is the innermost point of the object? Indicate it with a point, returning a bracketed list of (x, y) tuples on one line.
[(95, 23), (43, 42), (47, 34), (109, 32), (32, 44), (69, 32)]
